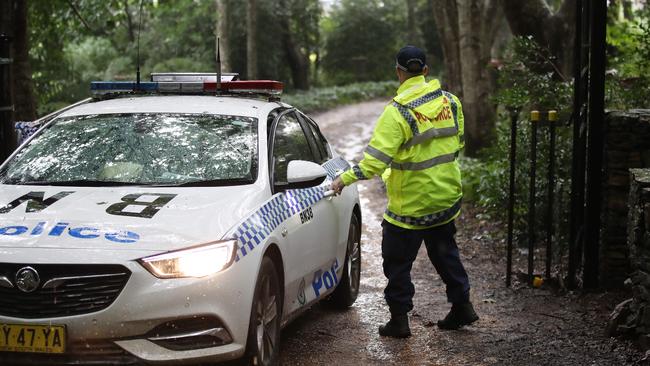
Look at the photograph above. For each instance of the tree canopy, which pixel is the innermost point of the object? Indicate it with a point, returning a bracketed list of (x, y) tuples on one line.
[(305, 43)]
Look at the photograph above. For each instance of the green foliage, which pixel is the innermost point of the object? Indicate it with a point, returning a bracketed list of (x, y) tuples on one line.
[(178, 34), (529, 78), (430, 37), (63, 50), (628, 51), (75, 42), (317, 99), (87, 60), (362, 37), (270, 51), (304, 21), (527, 81), (303, 18), (50, 24)]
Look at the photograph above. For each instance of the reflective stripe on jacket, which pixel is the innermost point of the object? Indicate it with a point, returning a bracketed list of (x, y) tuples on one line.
[(415, 145)]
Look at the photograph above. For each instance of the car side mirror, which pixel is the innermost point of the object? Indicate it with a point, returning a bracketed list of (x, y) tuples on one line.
[(304, 174)]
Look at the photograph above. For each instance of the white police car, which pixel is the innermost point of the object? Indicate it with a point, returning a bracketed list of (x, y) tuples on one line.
[(186, 222)]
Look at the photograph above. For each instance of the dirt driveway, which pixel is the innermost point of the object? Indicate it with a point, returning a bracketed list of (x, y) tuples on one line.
[(518, 326)]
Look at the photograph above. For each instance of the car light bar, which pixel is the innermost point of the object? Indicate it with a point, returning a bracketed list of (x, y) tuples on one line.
[(103, 87), (266, 87), (246, 86), (192, 76)]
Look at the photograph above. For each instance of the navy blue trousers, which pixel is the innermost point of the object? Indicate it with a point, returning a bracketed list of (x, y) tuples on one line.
[(399, 248)]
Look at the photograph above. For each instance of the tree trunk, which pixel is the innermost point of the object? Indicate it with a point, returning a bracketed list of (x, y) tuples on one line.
[(314, 77), (502, 37), (491, 21), (552, 30), (467, 30), (446, 17), (628, 10), (298, 63), (129, 21), (474, 56), (222, 34), (297, 60), (24, 98), (562, 37), (251, 39), (413, 36), (102, 32)]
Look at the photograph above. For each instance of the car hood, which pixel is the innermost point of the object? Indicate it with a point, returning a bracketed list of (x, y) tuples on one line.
[(141, 220)]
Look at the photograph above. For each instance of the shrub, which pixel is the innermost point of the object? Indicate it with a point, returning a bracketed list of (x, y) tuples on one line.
[(527, 81)]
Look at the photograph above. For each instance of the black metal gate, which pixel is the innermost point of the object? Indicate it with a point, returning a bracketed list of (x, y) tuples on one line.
[(587, 154), (589, 120)]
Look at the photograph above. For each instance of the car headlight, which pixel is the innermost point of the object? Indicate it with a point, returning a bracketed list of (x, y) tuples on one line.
[(197, 261)]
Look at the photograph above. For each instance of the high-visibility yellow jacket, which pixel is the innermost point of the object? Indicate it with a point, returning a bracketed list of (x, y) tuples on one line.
[(417, 137)]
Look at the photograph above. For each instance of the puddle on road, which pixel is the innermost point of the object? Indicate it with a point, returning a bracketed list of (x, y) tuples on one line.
[(323, 337), (371, 305), (372, 310)]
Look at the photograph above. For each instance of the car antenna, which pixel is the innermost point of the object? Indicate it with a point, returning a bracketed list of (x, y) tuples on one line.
[(137, 72), (218, 67)]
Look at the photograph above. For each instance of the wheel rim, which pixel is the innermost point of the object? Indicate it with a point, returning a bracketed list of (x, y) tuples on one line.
[(354, 260), (266, 311)]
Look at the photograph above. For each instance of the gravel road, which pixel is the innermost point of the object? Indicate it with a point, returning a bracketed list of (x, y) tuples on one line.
[(518, 325)]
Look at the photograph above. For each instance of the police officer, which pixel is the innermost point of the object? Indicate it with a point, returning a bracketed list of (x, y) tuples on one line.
[(415, 147)]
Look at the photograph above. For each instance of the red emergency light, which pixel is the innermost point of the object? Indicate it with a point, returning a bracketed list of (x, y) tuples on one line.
[(246, 86), (189, 83)]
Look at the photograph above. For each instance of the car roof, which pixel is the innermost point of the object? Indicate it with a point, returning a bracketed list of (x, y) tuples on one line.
[(204, 104)]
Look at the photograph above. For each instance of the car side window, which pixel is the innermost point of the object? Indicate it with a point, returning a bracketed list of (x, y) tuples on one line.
[(269, 123), (325, 144), (290, 143), (317, 140)]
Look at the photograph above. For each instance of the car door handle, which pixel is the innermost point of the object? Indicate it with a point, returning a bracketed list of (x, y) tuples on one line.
[(329, 194)]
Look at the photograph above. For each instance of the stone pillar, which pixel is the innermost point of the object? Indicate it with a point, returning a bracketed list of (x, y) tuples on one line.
[(632, 317), (627, 145)]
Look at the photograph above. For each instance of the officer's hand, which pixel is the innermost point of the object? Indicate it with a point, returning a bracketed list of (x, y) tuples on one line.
[(337, 185)]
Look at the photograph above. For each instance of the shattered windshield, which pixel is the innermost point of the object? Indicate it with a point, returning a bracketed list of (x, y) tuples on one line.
[(149, 149)]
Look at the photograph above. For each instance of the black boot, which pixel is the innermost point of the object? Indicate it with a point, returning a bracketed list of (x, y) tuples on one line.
[(460, 314), (397, 327)]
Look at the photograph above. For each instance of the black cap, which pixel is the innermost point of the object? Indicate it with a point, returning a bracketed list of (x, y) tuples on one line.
[(411, 59)]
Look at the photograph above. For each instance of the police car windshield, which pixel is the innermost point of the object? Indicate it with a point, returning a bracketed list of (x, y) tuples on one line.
[(147, 149)]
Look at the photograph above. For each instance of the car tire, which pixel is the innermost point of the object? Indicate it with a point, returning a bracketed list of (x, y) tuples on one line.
[(263, 343), (347, 290)]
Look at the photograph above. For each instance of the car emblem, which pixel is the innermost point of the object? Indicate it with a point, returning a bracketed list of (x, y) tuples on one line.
[(27, 279)]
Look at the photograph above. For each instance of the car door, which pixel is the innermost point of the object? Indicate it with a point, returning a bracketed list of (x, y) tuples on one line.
[(310, 234), (341, 204)]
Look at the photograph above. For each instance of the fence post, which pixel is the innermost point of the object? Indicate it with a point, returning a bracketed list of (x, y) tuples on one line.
[(534, 121), (514, 115), (595, 136), (552, 120)]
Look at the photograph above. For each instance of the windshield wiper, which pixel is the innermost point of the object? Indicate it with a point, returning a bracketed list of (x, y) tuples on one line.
[(77, 183)]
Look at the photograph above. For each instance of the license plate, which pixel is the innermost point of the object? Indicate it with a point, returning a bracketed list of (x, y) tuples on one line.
[(32, 338)]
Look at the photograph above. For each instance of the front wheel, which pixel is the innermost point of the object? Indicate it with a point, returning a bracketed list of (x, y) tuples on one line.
[(347, 290), (263, 345)]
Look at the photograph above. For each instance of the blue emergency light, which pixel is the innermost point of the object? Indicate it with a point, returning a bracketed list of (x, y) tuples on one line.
[(101, 87), (187, 83)]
